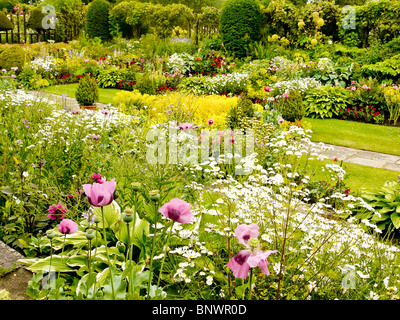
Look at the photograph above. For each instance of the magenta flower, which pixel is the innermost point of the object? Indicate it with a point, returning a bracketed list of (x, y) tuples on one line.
[(57, 211), (177, 210), (285, 95), (67, 226), (95, 137), (14, 68), (76, 111), (4, 70), (100, 194), (281, 120), (13, 76), (267, 89), (210, 122), (250, 257), (97, 178), (106, 111)]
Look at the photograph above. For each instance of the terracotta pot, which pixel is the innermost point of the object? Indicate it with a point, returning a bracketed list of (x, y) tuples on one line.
[(94, 107)]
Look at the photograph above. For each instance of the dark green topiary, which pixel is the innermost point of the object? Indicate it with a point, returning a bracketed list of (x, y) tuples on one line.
[(14, 56), (5, 23), (35, 20), (87, 92), (97, 20), (291, 108), (7, 4), (240, 24)]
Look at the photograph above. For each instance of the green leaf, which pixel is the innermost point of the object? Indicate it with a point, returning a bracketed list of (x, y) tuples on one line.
[(395, 217), (58, 264), (112, 213), (119, 288)]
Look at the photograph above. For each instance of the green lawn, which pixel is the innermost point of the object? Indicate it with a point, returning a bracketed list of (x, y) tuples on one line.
[(357, 135), (360, 177), (105, 95)]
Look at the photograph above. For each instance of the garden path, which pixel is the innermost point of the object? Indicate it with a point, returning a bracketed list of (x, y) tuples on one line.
[(345, 154), (363, 157)]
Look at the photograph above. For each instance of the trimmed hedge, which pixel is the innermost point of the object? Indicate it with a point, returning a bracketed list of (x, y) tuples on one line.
[(97, 20), (14, 56), (35, 20), (240, 24), (5, 23)]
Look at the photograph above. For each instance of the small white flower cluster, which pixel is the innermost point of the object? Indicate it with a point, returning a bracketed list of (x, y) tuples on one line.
[(302, 85), (44, 65)]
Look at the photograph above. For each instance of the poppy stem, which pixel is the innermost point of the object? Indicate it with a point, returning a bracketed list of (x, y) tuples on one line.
[(165, 254), (250, 280), (108, 257), (152, 249)]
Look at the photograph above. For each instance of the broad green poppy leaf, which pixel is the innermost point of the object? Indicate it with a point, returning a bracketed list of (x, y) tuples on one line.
[(78, 261), (119, 288), (58, 263), (112, 213)]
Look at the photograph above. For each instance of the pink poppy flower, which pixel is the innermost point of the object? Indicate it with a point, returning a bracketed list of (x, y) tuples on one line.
[(57, 211), (67, 226), (177, 210), (250, 257), (210, 122), (187, 125), (100, 194), (244, 232)]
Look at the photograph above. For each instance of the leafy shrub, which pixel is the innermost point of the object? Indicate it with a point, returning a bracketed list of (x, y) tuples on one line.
[(8, 5), (13, 56), (240, 25), (369, 92), (87, 92), (291, 107), (97, 20), (5, 23), (325, 102)]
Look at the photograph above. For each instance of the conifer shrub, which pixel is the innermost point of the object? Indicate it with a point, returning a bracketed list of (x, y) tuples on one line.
[(97, 20), (240, 25), (291, 106), (87, 92)]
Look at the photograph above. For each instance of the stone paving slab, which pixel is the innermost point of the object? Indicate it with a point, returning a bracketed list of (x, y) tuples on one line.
[(17, 280), (362, 157)]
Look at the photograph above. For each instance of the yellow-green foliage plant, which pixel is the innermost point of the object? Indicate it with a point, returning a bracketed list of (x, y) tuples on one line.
[(392, 96), (176, 106)]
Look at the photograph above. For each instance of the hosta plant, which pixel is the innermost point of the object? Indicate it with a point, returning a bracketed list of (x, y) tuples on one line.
[(387, 203)]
